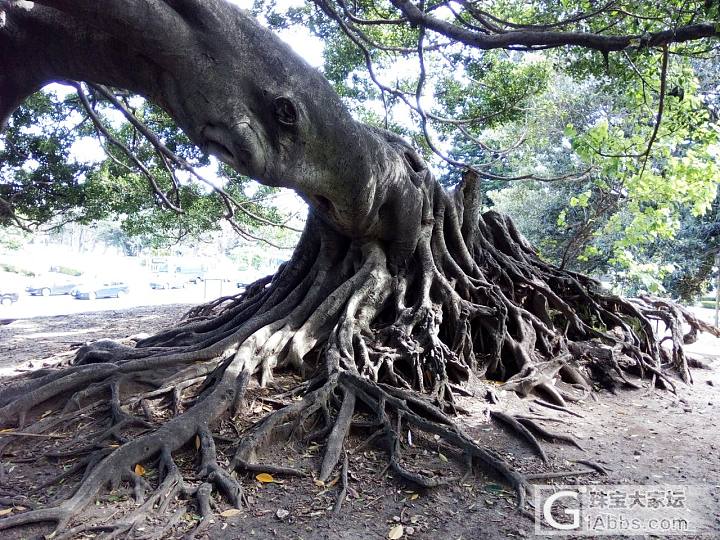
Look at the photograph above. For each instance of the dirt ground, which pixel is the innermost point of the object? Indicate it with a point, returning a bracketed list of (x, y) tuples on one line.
[(640, 437)]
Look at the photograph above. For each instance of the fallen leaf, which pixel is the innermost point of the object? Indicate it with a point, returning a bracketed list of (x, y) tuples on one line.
[(414, 496), (396, 532), (6, 430), (442, 457), (139, 470), (265, 478), (319, 483), (230, 512), (197, 442), (5, 512)]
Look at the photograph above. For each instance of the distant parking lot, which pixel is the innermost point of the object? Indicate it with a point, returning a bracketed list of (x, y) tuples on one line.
[(39, 306)]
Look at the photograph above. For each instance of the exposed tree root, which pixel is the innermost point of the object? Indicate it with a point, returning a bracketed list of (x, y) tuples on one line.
[(384, 337)]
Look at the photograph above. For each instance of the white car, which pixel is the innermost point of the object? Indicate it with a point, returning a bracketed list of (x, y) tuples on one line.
[(167, 280)]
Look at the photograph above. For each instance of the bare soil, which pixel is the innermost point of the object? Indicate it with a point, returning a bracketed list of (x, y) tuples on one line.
[(640, 436)]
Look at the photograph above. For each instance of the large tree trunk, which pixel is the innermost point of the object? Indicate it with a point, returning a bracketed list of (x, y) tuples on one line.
[(398, 293)]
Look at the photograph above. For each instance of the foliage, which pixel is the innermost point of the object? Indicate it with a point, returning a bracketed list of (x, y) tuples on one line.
[(38, 177), (12, 239), (48, 182)]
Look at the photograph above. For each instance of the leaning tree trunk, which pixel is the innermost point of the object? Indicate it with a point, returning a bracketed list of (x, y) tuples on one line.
[(398, 293)]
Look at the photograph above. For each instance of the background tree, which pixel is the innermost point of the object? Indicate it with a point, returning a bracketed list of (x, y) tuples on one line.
[(399, 292), (167, 198)]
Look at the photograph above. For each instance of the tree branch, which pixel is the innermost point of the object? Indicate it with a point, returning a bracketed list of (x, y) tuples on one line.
[(109, 136), (536, 38)]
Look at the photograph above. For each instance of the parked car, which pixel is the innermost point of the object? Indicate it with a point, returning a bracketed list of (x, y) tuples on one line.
[(248, 277), (52, 284), (10, 286), (7, 297), (107, 289), (166, 280)]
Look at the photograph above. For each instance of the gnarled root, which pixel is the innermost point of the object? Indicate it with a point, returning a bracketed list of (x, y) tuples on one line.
[(384, 338)]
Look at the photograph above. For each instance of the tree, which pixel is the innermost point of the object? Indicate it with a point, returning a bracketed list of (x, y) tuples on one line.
[(398, 293), (692, 253)]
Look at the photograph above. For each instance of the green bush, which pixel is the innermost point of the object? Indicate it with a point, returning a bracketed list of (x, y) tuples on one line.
[(12, 269)]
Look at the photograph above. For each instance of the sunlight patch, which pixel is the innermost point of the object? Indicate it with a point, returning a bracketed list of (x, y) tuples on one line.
[(24, 4)]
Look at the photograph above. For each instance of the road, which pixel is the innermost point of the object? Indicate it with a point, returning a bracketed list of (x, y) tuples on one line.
[(39, 306)]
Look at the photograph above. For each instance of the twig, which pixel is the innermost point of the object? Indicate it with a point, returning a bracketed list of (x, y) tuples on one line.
[(106, 133), (26, 434), (178, 160)]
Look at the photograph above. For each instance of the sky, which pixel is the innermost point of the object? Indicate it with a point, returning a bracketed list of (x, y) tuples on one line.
[(309, 47)]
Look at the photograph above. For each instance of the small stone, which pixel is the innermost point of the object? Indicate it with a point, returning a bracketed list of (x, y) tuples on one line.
[(409, 530), (282, 513)]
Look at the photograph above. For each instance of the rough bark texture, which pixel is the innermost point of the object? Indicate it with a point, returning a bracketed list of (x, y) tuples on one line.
[(398, 293)]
